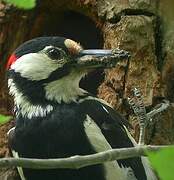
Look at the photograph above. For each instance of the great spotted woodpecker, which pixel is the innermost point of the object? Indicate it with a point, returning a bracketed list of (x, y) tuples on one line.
[(55, 118)]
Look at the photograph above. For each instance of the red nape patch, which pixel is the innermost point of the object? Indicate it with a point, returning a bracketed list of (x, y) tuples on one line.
[(11, 60)]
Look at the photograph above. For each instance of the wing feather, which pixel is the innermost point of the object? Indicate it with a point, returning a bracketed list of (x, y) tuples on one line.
[(99, 143), (15, 154), (113, 127)]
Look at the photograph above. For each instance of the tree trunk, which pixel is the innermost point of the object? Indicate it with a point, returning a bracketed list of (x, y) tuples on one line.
[(142, 27)]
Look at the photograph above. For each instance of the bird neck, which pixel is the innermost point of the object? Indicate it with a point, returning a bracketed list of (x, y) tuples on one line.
[(32, 101), (23, 104), (65, 90)]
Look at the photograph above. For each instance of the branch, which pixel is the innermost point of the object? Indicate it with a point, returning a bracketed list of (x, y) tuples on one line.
[(76, 162)]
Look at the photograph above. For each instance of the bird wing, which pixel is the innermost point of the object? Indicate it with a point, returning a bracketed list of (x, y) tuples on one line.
[(10, 135), (115, 134), (99, 143)]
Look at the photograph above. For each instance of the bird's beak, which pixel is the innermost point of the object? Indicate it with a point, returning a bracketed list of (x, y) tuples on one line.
[(99, 58)]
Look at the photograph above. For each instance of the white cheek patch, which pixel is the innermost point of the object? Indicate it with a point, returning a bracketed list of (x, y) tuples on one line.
[(35, 66), (65, 89)]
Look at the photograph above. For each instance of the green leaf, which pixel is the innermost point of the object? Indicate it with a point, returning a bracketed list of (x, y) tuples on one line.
[(4, 119), (24, 4), (163, 163)]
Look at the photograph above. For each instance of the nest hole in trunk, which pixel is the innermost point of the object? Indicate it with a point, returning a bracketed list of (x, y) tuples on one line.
[(82, 29)]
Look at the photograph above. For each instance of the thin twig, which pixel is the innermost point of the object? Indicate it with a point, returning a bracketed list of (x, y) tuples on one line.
[(77, 162)]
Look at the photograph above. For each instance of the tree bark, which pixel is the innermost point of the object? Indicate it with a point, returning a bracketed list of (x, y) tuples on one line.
[(144, 28)]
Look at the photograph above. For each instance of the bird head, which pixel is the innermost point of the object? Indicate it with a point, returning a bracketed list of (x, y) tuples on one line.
[(48, 70)]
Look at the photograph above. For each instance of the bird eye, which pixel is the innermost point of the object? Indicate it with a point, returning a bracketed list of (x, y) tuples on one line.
[(54, 53)]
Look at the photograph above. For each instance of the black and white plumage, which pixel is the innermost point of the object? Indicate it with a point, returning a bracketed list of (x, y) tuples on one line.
[(55, 118)]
